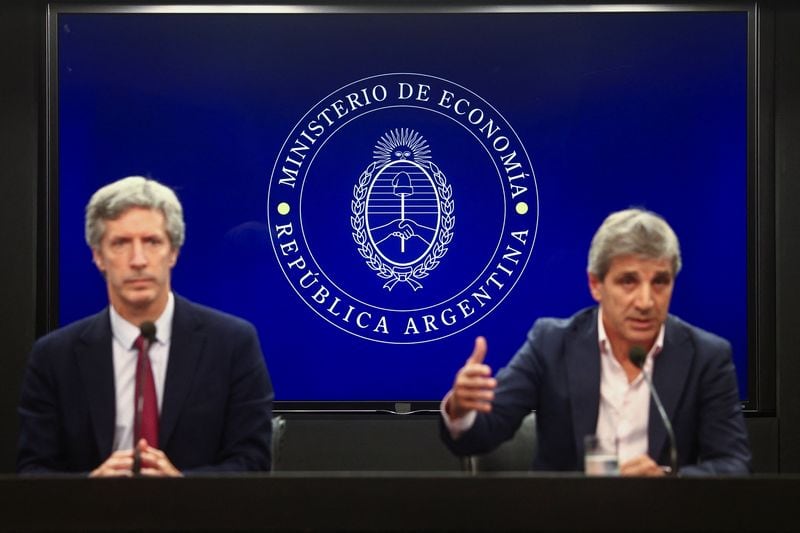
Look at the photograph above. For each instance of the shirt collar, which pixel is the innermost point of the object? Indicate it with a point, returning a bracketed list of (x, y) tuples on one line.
[(605, 346), (126, 333)]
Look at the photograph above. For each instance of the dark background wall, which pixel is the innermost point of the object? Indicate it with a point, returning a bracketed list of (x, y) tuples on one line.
[(20, 84), (390, 442), (787, 233)]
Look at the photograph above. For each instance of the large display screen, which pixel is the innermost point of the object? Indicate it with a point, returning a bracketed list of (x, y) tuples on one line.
[(373, 190)]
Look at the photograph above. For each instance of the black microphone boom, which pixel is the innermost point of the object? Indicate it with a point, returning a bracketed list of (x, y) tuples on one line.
[(148, 332), (637, 355)]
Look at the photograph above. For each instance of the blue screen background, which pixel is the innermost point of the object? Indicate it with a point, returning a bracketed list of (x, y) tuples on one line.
[(614, 109)]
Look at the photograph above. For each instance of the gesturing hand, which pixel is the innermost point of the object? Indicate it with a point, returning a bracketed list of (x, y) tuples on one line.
[(473, 388)]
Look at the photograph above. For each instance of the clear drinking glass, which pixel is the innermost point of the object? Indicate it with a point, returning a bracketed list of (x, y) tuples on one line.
[(600, 457)]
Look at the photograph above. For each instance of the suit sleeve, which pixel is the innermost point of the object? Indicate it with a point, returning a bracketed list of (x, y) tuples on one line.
[(38, 446), (722, 445), (247, 433), (515, 397)]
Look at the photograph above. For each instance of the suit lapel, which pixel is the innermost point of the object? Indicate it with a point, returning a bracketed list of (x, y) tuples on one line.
[(94, 357), (582, 355), (185, 352), (670, 371)]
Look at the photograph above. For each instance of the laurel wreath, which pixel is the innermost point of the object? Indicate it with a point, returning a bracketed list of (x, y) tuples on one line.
[(369, 253)]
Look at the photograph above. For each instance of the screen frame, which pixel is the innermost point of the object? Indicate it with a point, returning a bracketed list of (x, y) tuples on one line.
[(761, 296)]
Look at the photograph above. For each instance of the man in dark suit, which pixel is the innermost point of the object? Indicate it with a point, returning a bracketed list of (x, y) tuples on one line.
[(577, 375), (203, 394)]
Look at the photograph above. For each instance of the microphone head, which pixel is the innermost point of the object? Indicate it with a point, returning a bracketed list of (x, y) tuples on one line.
[(148, 331), (637, 355)]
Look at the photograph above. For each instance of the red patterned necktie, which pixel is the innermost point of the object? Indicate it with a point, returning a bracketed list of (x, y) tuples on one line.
[(146, 404)]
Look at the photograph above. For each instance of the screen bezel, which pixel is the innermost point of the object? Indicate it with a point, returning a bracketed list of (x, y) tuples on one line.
[(760, 196)]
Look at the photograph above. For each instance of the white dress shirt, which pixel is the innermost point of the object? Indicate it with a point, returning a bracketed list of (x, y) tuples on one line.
[(624, 408), (125, 355)]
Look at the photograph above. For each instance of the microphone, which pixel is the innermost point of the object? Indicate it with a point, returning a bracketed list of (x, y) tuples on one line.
[(148, 333), (637, 355)]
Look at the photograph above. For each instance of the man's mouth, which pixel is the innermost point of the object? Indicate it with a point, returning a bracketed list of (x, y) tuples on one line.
[(642, 323), (138, 281)]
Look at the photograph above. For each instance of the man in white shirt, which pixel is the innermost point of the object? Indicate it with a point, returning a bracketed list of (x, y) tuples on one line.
[(577, 375), (204, 399)]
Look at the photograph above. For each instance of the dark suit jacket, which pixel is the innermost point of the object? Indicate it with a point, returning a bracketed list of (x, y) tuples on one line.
[(557, 374), (216, 411)]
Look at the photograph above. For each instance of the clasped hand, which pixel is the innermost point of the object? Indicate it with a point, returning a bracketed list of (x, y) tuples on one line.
[(154, 463)]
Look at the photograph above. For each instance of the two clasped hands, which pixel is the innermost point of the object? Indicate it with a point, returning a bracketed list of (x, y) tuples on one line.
[(121, 463), (403, 228), (473, 390)]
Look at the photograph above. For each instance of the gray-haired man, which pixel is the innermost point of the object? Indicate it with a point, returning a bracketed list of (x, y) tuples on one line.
[(577, 375), (93, 401)]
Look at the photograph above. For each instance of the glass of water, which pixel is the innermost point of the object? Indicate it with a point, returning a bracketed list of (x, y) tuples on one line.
[(600, 457)]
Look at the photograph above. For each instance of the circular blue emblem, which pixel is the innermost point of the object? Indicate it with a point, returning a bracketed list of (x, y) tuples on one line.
[(403, 208)]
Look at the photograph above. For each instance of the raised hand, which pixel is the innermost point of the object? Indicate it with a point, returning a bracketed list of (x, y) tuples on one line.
[(473, 388)]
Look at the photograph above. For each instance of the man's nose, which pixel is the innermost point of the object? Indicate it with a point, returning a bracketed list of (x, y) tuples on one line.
[(644, 297), (138, 258)]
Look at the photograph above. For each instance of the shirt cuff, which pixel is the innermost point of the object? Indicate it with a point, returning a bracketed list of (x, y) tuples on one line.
[(458, 426)]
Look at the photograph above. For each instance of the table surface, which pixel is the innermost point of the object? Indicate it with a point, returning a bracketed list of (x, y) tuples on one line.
[(371, 501)]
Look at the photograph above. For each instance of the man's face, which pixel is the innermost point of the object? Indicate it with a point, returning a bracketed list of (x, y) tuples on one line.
[(634, 297), (136, 257)]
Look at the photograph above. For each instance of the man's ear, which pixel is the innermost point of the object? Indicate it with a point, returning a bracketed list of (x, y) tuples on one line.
[(97, 259), (595, 286), (173, 257)]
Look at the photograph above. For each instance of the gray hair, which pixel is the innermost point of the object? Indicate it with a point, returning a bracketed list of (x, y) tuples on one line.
[(111, 201), (633, 232)]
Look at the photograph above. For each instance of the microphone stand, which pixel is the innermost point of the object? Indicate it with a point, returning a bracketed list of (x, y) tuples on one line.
[(137, 414), (148, 336), (637, 356), (673, 446)]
